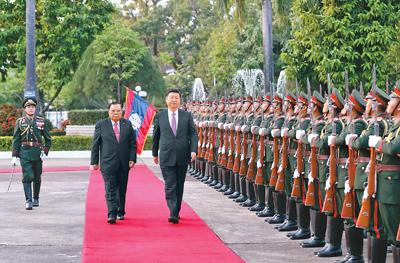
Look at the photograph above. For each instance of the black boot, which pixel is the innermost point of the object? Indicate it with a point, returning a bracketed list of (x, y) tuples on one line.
[(236, 194), (269, 209), (206, 172), (303, 221), (210, 174), (280, 208), (221, 171), (226, 177), (243, 194), (290, 223), (36, 191), (347, 257), (232, 188), (356, 238), (318, 228), (215, 175), (396, 254), (378, 250), (28, 195), (250, 194), (333, 238), (261, 199)]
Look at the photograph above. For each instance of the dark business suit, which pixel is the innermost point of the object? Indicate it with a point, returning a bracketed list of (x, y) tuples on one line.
[(114, 161), (175, 154)]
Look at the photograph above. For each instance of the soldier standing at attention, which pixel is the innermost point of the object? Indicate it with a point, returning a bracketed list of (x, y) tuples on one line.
[(28, 146), (388, 174)]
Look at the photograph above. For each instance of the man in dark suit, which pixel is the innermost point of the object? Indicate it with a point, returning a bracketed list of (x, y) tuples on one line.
[(175, 136), (115, 139)]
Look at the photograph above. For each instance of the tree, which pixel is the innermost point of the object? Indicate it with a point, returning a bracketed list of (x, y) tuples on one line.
[(114, 60)]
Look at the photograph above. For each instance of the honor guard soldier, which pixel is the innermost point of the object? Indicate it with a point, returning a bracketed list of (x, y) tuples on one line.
[(388, 180), (31, 140)]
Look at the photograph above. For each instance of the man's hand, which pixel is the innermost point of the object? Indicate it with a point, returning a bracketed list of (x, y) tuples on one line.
[(14, 161), (374, 141), (131, 164), (193, 156), (155, 159), (94, 167)]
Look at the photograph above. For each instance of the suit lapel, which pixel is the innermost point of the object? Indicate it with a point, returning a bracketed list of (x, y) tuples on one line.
[(122, 127)]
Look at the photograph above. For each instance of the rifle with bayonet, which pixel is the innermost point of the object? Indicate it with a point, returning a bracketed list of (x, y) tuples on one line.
[(364, 217), (349, 204), (330, 200), (236, 163), (280, 182), (243, 162), (297, 180), (275, 149), (250, 171)]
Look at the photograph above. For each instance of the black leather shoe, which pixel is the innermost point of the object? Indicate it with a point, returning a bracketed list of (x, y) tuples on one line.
[(248, 203), (209, 181), (173, 220), (257, 207), (331, 251), (35, 202), (276, 219), (290, 225), (213, 183), (234, 195), (197, 174), (267, 212), (120, 217), (223, 188), (218, 186), (229, 191), (28, 205), (241, 199), (302, 233), (205, 179), (111, 220), (313, 242), (346, 259)]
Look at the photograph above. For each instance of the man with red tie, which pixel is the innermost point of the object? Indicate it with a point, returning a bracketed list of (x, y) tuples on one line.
[(115, 141)]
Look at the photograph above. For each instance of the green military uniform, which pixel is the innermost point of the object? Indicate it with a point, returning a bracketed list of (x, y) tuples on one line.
[(31, 137)]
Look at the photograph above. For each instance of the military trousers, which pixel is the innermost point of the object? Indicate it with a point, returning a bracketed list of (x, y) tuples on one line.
[(31, 170)]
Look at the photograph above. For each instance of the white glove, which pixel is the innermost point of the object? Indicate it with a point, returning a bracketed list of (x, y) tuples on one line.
[(284, 132), (331, 140), (328, 183), (365, 195), (367, 168), (219, 150), (259, 165), (373, 141), (250, 161), (300, 134), (347, 187), (280, 168), (253, 128), (199, 144), (43, 155), (310, 178), (312, 137), (237, 128), (231, 126), (230, 152), (242, 157), (296, 173), (14, 161), (275, 132), (262, 131), (204, 145), (350, 137), (273, 165), (208, 145), (223, 150), (243, 128), (221, 125), (201, 124)]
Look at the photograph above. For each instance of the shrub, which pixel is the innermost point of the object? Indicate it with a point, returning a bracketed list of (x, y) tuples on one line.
[(86, 117), (8, 116)]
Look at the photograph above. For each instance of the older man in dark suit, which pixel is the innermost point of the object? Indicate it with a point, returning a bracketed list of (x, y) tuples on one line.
[(115, 139), (175, 136)]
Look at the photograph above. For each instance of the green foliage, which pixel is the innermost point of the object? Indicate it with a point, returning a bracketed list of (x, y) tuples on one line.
[(115, 59), (86, 117), (334, 36), (63, 31), (8, 117)]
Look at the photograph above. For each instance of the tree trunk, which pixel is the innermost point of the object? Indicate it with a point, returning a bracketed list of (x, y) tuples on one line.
[(267, 44), (119, 91), (30, 84), (46, 108)]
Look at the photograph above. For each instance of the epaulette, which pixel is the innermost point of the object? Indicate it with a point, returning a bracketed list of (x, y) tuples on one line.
[(39, 118)]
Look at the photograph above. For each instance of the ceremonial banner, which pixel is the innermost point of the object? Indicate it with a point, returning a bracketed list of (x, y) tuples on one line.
[(141, 114)]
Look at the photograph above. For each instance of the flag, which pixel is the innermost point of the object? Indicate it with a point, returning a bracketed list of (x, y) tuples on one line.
[(141, 114)]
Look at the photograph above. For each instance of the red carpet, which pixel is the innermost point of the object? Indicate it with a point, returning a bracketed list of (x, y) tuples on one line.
[(48, 169), (145, 235)]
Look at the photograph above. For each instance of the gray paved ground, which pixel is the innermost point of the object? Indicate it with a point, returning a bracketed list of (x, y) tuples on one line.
[(54, 231)]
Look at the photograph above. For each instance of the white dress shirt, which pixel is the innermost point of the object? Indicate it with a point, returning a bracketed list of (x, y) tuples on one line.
[(112, 125), (170, 118)]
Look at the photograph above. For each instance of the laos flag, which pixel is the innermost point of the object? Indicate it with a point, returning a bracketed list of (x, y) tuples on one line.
[(141, 114)]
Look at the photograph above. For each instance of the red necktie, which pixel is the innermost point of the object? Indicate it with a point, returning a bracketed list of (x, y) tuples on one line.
[(116, 131)]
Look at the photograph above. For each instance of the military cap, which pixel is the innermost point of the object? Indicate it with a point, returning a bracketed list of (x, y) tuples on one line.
[(395, 93), (317, 99), (289, 97), (258, 99), (337, 98), (28, 102), (232, 101), (223, 100), (358, 102), (248, 99), (379, 95), (303, 98), (278, 98), (267, 98)]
